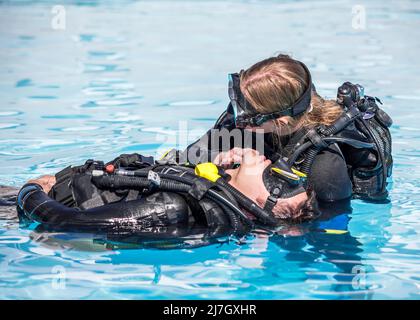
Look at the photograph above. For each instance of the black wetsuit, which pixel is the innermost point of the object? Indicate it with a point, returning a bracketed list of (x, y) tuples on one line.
[(162, 220), (79, 200)]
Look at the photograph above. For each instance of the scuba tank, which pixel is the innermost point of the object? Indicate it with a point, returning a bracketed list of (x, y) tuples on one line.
[(368, 170), (362, 132)]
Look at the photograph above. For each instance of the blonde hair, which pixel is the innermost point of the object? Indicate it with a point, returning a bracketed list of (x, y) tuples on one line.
[(274, 84)]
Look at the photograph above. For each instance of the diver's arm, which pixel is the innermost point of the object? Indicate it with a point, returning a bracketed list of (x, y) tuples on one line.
[(201, 150), (329, 177), (198, 151), (46, 182), (165, 209), (205, 149)]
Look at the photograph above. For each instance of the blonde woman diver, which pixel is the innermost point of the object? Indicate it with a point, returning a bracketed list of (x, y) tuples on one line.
[(275, 101)]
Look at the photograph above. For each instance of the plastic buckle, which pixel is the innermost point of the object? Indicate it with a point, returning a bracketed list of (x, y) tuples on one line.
[(153, 178), (316, 139), (147, 160)]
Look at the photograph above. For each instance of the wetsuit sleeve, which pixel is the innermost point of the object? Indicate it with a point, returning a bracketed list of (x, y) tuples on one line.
[(203, 150), (221, 139), (329, 177)]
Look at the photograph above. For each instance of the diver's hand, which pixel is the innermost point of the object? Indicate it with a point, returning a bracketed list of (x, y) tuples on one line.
[(46, 182), (227, 158), (291, 208)]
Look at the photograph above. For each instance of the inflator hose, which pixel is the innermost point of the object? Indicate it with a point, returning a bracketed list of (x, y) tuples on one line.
[(329, 140), (263, 216), (326, 133)]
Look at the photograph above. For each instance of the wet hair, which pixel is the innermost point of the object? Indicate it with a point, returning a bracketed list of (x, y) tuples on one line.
[(274, 84), (305, 211)]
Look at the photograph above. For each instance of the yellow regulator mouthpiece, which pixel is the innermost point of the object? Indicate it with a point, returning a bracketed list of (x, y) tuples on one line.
[(208, 171), (298, 173), (286, 174)]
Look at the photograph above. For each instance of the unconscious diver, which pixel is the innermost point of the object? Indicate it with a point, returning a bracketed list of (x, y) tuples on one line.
[(133, 192)]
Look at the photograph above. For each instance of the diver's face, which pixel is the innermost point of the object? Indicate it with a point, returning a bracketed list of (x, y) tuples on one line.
[(247, 178)]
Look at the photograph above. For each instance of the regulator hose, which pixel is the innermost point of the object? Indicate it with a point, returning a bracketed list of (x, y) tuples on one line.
[(310, 158), (325, 134), (343, 121), (122, 182), (263, 216), (330, 140), (225, 202)]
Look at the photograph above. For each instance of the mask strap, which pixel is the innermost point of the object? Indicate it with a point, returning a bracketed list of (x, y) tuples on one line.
[(272, 199), (270, 203)]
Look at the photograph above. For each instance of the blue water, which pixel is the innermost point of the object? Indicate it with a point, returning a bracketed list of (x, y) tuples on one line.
[(143, 76)]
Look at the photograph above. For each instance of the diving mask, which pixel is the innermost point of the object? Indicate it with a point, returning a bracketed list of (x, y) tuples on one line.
[(242, 114)]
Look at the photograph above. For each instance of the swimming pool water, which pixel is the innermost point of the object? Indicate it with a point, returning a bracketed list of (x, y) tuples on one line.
[(142, 76)]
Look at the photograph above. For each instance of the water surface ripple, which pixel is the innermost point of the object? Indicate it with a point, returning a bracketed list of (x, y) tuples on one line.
[(119, 78)]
